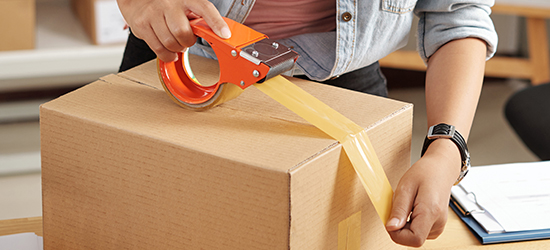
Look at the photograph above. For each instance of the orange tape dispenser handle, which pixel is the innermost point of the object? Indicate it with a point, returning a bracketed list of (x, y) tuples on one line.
[(246, 58)]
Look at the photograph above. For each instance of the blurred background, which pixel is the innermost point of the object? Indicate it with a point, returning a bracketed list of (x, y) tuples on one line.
[(51, 47)]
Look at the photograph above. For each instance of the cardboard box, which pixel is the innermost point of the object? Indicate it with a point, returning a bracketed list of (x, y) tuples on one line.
[(123, 167), (17, 24), (102, 20)]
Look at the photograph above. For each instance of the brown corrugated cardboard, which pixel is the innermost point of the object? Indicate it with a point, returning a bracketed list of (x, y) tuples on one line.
[(123, 167), (17, 24), (101, 20)]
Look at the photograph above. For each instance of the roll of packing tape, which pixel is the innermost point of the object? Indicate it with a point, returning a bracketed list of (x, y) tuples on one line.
[(183, 87)]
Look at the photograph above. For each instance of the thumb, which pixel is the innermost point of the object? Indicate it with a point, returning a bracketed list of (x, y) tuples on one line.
[(213, 18), (218, 25), (401, 208), (224, 32)]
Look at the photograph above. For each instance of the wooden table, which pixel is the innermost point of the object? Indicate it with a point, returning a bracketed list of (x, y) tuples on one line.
[(536, 67), (25, 225), (458, 236), (455, 236)]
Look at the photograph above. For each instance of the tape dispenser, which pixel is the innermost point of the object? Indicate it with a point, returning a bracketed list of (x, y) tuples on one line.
[(248, 57)]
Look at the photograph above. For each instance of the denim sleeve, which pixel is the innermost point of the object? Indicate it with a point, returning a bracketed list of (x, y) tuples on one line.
[(442, 21)]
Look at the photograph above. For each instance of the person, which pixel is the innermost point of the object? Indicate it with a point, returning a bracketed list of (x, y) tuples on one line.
[(528, 112), (339, 43)]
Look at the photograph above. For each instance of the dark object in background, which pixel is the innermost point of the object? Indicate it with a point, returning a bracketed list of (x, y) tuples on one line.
[(528, 112), (136, 52)]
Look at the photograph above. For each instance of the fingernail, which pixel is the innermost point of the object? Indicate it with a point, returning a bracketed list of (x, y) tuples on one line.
[(393, 222), (226, 33)]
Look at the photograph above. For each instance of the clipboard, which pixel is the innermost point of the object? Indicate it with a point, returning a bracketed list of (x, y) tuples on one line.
[(505, 202), (486, 238)]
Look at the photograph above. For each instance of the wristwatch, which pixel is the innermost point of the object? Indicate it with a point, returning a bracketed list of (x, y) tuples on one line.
[(447, 131)]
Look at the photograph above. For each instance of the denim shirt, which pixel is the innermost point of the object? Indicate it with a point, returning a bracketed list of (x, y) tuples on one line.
[(373, 29)]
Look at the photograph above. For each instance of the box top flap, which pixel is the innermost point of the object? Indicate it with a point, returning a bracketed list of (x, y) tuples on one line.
[(252, 128)]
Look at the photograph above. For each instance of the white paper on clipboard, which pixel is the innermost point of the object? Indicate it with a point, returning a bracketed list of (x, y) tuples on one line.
[(22, 241), (516, 195)]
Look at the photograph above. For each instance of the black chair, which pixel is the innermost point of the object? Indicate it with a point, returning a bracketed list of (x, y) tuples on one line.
[(528, 112)]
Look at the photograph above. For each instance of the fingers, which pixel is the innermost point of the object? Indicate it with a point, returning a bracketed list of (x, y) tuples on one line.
[(417, 192), (179, 28), (149, 36), (439, 224), (210, 14), (175, 34), (402, 205), (164, 43), (164, 24), (427, 220), (423, 225)]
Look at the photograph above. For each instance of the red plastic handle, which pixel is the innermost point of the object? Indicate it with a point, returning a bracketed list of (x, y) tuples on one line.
[(233, 68)]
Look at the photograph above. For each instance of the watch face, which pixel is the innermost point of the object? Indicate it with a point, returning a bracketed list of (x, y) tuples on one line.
[(441, 131)]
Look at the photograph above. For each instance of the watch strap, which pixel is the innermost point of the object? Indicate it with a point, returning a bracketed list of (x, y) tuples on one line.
[(447, 131)]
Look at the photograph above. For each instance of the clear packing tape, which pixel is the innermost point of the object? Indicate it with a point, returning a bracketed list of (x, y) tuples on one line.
[(353, 138), (349, 233)]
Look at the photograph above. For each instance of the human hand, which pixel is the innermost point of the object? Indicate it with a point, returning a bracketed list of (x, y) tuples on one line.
[(164, 24), (424, 190)]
